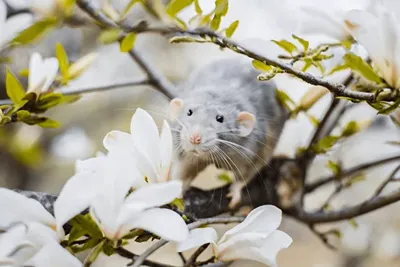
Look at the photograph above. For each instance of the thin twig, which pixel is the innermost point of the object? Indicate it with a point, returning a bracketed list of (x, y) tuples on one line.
[(141, 259), (192, 260), (323, 236), (391, 178), (129, 255), (337, 190), (322, 181)]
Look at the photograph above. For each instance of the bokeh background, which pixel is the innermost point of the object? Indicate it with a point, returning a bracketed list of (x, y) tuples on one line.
[(39, 159)]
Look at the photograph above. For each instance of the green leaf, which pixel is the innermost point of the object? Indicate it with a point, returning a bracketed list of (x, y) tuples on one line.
[(76, 233), (261, 66), (128, 42), (353, 223), (354, 179), (215, 23), (232, 28), (128, 7), (133, 233), (49, 123), (284, 99), (94, 254), (336, 233), (110, 36), (62, 60), (221, 7), (358, 65), (175, 6), (395, 120), (35, 31), (286, 45), (108, 248), (178, 203), (24, 73), (391, 108), (338, 68), (225, 177), (23, 114), (91, 243), (266, 76), (325, 144), (186, 39), (304, 43), (14, 89), (313, 120), (86, 222), (197, 7), (350, 129), (335, 167)]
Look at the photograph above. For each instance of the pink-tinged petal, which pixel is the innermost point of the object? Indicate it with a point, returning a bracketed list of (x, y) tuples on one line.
[(164, 223), (197, 238), (16, 208), (52, 255), (75, 197), (37, 77), (166, 150), (264, 220), (50, 66), (145, 135), (153, 195), (117, 140)]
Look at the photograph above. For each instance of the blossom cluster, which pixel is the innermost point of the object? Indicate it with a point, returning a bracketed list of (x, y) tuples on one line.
[(124, 190)]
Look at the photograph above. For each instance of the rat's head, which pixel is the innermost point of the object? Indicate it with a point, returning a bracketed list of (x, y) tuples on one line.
[(200, 129)]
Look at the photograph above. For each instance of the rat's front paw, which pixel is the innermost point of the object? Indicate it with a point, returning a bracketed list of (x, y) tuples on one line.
[(235, 194)]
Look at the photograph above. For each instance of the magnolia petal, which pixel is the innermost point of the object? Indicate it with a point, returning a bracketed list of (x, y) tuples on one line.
[(92, 165), (164, 223), (14, 25), (251, 247), (50, 66), (264, 219), (37, 77), (198, 237), (41, 235), (166, 150), (153, 195), (75, 196), (3, 15), (81, 64), (12, 239), (145, 135), (16, 208), (117, 140), (54, 255)]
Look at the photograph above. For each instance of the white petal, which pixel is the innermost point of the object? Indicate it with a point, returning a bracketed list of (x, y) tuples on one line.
[(166, 149), (82, 64), (145, 135), (153, 195), (162, 222), (198, 237), (50, 66), (15, 24), (54, 255), (146, 167), (266, 254), (90, 165), (41, 235), (117, 140), (3, 14), (263, 219), (75, 197), (16, 208), (12, 239), (37, 76)]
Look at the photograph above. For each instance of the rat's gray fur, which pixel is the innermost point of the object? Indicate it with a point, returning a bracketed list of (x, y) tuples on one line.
[(226, 87)]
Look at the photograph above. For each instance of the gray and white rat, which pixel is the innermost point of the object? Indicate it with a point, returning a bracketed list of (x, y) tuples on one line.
[(225, 116)]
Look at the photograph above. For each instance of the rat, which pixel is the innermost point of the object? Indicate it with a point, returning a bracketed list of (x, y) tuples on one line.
[(225, 116)]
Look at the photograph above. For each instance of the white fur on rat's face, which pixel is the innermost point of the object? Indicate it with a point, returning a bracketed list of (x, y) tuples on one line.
[(200, 127)]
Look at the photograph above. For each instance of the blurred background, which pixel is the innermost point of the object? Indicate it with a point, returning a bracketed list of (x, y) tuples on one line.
[(33, 158)]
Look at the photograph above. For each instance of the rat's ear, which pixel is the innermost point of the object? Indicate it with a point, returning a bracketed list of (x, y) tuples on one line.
[(247, 122), (175, 107)]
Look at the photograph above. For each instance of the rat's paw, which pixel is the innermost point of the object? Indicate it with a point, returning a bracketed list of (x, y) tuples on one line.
[(235, 193)]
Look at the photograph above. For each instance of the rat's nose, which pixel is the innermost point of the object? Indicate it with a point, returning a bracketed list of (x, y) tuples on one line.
[(195, 139)]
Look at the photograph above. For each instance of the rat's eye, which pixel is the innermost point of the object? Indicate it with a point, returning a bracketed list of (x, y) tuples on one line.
[(190, 112), (220, 118)]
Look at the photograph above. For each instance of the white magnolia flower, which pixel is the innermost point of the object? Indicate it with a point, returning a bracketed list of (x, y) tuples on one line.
[(151, 151), (256, 238), (102, 185), (33, 244), (41, 73), (379, 34), (39, 7), (10, 27)]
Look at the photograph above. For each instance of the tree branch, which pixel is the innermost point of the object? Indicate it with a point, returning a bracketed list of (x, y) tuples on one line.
[(129, 255), (387, 181)]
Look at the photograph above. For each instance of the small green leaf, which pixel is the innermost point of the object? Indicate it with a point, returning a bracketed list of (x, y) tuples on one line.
[(14, 89), (354, 179), (48, 123), (62, 60), (336, 233), (391, 108), (186, 39), (197, 7), (261, 66), (178, 203), (221, 7), (86, 222), (266, 76), (286, 45), (94, 253), (75, 234), (215, 23), (128, 42), (225, 177), (338, 68), (232, 28), (350, 129), (133, 233), (357, 64), (110, 36), (108, 248), (35, 31), (353, 223), (313, 120), (304, 43), (335, 167), (23, 114), (91, 243), (175, 6), (24, 73), (325, 144)]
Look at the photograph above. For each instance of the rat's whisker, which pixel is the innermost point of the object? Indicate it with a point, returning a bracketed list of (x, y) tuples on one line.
[(239, 146)]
